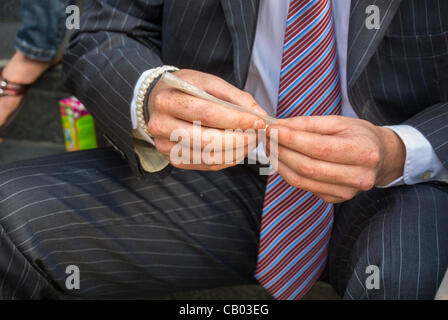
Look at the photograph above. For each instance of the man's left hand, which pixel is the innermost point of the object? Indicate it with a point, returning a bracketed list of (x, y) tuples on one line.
[(336, 157)]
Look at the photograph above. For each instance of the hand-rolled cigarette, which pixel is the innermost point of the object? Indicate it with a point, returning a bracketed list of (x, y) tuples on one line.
[(192, 90)]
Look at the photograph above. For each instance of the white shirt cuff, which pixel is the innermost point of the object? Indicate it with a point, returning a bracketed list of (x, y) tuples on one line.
[(422, 163), (138, 132)]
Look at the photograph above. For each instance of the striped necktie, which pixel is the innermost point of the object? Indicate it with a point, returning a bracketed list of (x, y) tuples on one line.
[(296, 225)]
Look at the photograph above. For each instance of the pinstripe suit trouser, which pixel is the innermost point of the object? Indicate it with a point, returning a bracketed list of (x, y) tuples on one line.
[(143, 238)]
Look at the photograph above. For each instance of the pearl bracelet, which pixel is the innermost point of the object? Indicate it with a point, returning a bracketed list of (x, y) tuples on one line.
[(143, 90)]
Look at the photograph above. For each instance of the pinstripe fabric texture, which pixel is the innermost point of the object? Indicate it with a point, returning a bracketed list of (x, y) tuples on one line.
[(402, 231), (135, 237), (130, 238), (393, 73), (402, 77), (189, 230), (120, 39), (296, 225), (363, 41)]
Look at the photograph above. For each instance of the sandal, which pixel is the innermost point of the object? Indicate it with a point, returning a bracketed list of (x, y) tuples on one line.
[(12, 89)]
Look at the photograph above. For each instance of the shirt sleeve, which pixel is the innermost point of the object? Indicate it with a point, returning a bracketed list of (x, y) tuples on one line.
[(422, 163)]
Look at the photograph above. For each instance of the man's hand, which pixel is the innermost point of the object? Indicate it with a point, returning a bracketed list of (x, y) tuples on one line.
[(337, 157), (171, 109)]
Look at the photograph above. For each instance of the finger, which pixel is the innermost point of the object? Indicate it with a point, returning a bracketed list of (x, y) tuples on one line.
[(329, 199), (220, 89), (313, 186), (351, 176), (176, 130), (327, 125), (188, 162), (189, 108), (194, 160), (179, 154), (317, 146), (204, 167)]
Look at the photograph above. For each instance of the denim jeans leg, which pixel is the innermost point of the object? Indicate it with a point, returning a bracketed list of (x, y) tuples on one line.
[(43, 29)]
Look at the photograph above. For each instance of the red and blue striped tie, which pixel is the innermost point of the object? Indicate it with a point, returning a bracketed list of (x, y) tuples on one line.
[(296, 225)]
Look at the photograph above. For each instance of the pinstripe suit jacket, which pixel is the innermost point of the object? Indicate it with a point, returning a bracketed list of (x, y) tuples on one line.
[(396, 75)]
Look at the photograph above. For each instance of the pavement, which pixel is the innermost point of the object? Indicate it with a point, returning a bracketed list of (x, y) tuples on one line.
[(12, 150)]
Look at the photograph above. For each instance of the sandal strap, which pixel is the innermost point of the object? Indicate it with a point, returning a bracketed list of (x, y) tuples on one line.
[(10, 88)]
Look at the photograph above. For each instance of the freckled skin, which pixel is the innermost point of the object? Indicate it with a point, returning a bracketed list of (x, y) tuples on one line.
[(332, 156), (173, 109), (335, 157)]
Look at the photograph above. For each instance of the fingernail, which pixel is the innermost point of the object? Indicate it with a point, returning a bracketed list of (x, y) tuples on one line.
[(259, 124)]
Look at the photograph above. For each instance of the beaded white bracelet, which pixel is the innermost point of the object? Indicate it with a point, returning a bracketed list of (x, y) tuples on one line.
[(143, 90)]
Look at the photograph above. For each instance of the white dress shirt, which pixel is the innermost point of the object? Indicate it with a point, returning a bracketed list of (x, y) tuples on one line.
[(422, 163)]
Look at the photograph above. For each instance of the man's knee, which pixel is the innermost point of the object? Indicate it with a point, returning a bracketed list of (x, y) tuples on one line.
[(394, 238)]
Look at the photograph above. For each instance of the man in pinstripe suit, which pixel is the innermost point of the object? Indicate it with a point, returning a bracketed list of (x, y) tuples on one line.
[(137, 234)]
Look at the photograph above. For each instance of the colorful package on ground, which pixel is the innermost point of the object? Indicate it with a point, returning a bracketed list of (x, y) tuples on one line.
[(78, 125)]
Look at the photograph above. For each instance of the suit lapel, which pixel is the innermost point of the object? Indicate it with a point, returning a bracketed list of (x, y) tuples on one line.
[(241, 18), (362, 42)]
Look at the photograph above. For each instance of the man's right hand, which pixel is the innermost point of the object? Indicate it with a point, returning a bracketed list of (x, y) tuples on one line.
[(171, 109)]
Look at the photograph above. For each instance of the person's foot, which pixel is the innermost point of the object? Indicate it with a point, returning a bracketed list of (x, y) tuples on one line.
[(23, 70)]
